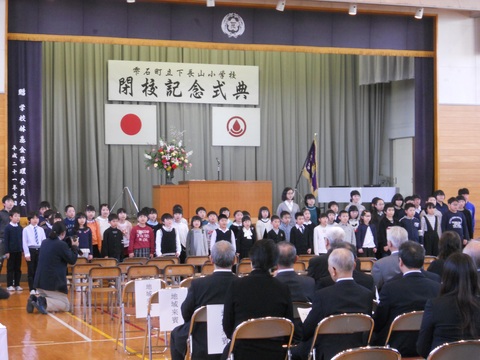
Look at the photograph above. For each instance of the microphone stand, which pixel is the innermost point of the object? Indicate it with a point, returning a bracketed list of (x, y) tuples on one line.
[(218, 169)]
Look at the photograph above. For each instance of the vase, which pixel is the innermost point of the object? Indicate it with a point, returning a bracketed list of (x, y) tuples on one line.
[(170, 176)]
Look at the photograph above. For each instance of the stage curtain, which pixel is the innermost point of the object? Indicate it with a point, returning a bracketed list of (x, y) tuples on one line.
[(300, 94)]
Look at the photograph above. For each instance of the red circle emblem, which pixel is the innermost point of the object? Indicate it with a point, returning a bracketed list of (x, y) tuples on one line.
[(236, 126), (131, 124)]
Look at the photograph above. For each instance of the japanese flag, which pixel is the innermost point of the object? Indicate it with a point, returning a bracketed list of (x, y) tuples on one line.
[(130, 124), (233, 126)]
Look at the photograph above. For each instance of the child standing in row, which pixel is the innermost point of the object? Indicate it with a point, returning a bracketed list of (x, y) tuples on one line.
[(222, 233), (211, 226), (246, 238), (69, 220), (314, 210), (32, 237), (276, 234), (202, 213), (13, 250), (319, 234), (286, 224), (102, 220), (366, 236), (386, 223), (142, 241), (181, 228), (237, 223), (430, 224), (95, 227), (112, 245), (167, 240), (197, 244), (125, 227), (263, 225), (84, 235), (349, 232), (225, 211), (299, 236), (152, 220), (412, 224)]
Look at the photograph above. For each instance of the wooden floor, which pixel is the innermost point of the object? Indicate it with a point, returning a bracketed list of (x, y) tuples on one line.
[(64, 335)]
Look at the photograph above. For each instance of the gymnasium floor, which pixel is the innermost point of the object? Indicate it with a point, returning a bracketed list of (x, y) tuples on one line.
[(64, 335)]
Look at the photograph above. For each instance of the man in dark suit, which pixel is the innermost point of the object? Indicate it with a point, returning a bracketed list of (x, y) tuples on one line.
[(204, 291), (386, 268), (301, 287), (360, 277), (254, 296), (346, 296), (318, 265), (406, 294)]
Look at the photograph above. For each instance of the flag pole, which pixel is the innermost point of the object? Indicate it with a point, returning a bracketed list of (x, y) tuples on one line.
[(304, 163)]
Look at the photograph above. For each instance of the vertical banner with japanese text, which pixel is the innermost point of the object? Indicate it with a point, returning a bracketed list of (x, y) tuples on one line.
[(25, 124), (182, 82)]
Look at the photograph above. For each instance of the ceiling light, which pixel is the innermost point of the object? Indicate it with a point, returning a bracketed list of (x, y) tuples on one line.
[(130, 1), (353, 9), (281, 5), (419, 13)]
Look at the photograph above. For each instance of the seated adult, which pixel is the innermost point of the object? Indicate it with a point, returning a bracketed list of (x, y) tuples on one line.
[(318, 265), (51, 275), (346, 296), (473, 250), (360, 277), (204, 291), (254, 296), (406, 294), (387, 267), (455, 314), (448, 244), (301, 287)]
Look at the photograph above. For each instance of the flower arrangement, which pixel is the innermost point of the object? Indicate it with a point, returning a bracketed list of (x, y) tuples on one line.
[(169, 156)]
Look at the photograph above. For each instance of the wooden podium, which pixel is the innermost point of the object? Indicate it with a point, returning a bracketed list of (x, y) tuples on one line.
[(212, 195)]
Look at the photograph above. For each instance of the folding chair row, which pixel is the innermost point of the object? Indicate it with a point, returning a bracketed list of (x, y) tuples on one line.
[(128, 313)]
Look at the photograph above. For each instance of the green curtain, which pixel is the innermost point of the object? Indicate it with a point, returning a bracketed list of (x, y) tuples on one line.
[(300, 94)]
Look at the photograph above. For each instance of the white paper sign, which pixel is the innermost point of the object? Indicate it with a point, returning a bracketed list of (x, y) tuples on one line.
[(170, 301), (235, 126), (143, 290), (217, 340), (181, 82)]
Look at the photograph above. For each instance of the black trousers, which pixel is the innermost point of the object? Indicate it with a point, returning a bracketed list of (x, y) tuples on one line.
[(14, 271), (32, 267)]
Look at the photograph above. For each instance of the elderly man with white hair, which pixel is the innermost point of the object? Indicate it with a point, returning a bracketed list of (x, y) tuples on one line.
[(345, 296), (387, 267), (318, 265)]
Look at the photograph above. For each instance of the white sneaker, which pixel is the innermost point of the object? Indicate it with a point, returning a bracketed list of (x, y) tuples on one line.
[(10, 288), (18, 288), (33, 292)]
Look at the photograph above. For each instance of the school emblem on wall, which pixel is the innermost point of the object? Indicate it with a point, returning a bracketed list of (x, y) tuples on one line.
[(233, 25)]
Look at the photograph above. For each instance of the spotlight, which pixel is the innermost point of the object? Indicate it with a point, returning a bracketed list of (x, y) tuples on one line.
[(353, 9), (210, 3), (419, 13), (130, 1), (281, 5)]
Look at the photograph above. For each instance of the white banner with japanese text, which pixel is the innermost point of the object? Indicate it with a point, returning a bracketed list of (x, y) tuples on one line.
[(182, 82)]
